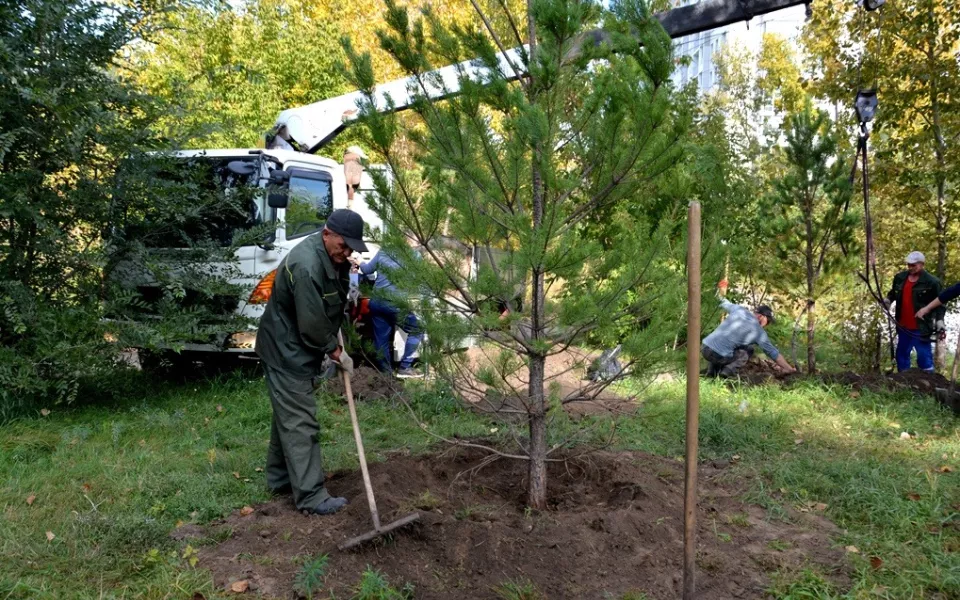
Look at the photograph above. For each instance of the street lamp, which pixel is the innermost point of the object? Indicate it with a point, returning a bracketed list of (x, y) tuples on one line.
[(866, 105)]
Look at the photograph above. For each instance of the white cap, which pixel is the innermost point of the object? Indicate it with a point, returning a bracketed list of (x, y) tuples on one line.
[(915, 257)]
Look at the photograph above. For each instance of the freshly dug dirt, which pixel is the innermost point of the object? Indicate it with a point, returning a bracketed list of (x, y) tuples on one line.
[(367, 383), (614, 525), (759, 371)]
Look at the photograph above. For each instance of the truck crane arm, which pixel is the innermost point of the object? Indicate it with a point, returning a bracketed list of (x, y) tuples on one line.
[(309, 128)]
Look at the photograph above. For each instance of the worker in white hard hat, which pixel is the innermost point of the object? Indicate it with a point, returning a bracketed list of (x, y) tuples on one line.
[(913, 289)]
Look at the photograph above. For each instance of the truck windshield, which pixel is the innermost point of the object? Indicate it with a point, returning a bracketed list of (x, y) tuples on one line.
[(311, 202), (200, 201)]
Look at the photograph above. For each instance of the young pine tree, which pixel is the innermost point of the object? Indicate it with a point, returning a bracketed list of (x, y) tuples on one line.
[(511, 167), (809, 221)]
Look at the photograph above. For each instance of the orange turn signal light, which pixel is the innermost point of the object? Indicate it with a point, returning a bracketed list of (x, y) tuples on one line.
[(261, 293)]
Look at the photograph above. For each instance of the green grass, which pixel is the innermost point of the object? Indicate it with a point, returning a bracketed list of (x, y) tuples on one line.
[(112, 482), (815, 444)]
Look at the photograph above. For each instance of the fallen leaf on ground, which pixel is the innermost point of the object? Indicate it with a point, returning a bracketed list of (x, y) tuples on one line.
[(246, 510), (30, 499), (86, 487), (219, 408), (240, 586), (259, 469), (735, 457), (894, 424), (913, 496), (853, 549), (904, 435), (820, 506), (50, 536), (876, 562), (142, 443), (854, 394), (236, 475), (44, 412), (798, 441), (946, 469)]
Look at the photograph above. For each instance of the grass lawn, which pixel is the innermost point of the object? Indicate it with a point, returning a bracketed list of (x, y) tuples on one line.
[(91, 495)]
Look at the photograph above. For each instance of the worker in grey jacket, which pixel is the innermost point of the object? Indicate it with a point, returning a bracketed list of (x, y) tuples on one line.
[(729, 347)]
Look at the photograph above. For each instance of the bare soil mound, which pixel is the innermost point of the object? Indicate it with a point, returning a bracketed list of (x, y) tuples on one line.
[(614, 525), (367, 383), (759, 371)]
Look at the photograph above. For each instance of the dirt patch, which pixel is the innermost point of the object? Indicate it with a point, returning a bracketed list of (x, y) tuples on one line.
[(490, 385), (614, 526), (760, 371), (367, 383)]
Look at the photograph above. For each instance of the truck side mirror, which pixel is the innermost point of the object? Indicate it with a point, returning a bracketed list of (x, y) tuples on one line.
[(279, 194)]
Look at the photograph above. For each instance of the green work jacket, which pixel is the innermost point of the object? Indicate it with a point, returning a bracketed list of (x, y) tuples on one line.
[(305, 311), (925, 291)]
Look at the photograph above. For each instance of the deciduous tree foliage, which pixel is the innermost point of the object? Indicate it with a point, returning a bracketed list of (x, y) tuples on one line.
[(518, 168), (908, 52), (227, 69)]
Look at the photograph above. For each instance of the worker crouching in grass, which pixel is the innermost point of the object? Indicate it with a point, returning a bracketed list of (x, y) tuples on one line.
[(730, 346), (387, 317)]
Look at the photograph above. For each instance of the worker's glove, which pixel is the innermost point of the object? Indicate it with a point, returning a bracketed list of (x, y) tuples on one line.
[(353, 296), (345, 363)]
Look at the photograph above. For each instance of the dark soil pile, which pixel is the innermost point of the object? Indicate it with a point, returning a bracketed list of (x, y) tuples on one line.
[(759, 371), (367, 383), (614, 526)]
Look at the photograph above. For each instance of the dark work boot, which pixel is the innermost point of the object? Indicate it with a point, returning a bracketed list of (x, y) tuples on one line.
[(327, 507)]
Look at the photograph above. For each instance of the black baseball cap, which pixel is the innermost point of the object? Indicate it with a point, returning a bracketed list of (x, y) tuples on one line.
[(349, 225), (766, 311)]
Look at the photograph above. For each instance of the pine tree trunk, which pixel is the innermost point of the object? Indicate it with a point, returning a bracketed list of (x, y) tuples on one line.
[(537, 490), (811, 351), (537, 451)]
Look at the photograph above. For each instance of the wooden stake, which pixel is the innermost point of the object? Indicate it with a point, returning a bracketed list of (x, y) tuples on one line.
[(693, 402)]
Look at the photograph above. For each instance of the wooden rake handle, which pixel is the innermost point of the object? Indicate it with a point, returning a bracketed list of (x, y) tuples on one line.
[(367, 486)]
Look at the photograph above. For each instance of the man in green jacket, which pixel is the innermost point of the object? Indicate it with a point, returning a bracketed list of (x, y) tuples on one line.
[(300, 326), (912, 290)]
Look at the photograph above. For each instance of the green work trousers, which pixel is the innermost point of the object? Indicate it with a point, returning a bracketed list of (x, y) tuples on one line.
[(293, 457)]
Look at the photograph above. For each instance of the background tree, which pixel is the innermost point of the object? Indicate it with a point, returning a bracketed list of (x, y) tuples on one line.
[(808, 208), (518, 168), (65, 122), (227, 69), (908, 51)]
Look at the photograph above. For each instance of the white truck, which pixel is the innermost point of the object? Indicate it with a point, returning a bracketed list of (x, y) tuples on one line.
[(306, 187)]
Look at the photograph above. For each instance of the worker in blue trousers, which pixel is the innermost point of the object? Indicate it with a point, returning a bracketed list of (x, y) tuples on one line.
[(387, 316)]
